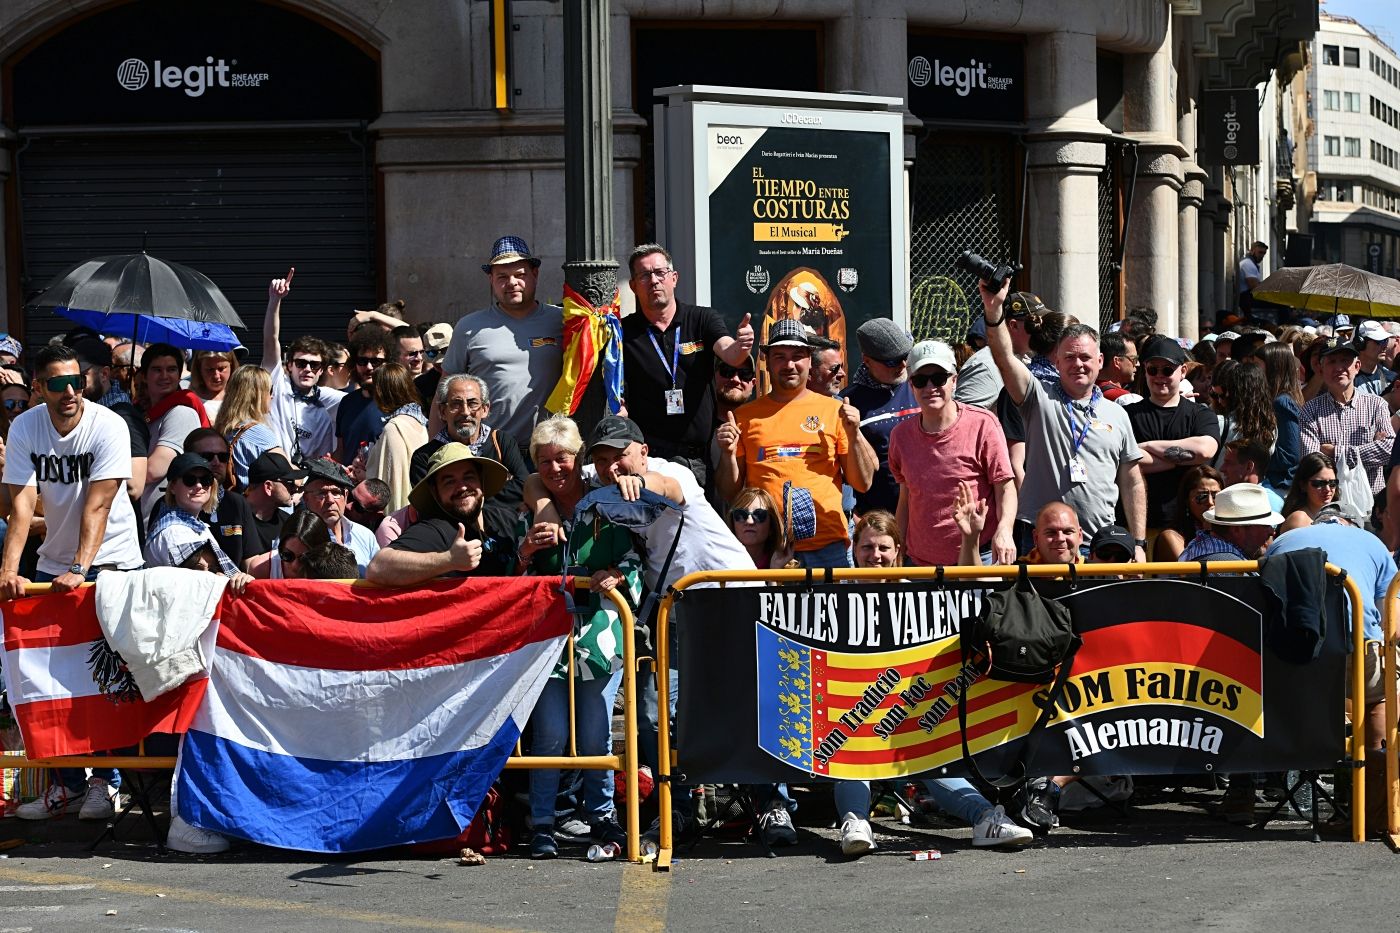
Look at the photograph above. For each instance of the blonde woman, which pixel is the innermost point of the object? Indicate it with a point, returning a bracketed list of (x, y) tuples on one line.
[(209, 376), (405, 430), (243, 419)]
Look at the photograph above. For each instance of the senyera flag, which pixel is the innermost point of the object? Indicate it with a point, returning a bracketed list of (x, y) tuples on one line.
[(61, 711), (342, 719)]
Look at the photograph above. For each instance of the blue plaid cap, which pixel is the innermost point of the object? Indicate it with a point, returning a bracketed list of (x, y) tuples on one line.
[(510, 249), (801, 512)]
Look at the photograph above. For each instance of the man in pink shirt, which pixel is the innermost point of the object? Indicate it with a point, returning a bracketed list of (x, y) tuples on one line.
[(948, 444)]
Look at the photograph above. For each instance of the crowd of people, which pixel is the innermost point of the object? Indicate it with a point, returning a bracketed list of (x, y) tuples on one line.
[(419, 452)]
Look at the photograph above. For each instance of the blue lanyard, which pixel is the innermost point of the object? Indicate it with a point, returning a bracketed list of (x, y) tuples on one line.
[(1076, 443), (675, 354)]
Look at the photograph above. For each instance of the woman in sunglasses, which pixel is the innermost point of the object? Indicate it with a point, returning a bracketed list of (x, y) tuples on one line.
[(209, 375), (754, 521), (947, 444), (179, 535), (234, 525), (301, 532), (243, 420), (1314, 485), (1195, 494)]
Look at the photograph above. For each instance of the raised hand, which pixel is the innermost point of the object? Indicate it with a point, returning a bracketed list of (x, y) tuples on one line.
[(728, 434), (464, 554), (278, 288), (744, 335), (969, 512), (850, 417)]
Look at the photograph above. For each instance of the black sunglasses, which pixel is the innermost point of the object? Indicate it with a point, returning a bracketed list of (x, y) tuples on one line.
[(895, 363), (287, 556), (1160, 372), (743, 515), (192, 480), (313, 365), (60, 383), (370, 361), (1201, 498), (1322, 483), (937, 380), (16, 404), (222, 456), (745, 373)]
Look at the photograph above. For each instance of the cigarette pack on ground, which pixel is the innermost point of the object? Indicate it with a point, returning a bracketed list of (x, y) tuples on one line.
[(925, 855)]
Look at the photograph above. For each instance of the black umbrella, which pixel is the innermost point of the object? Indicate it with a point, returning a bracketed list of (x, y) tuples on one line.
[(149, 298)]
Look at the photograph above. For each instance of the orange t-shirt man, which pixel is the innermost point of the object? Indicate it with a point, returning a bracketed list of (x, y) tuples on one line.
[(802, 441)]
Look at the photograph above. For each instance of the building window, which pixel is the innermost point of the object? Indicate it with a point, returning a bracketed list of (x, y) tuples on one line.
[(1353, 101), (1332, 145), (1351, 57), (1331, 100), (1330, 55), (1353, 147)]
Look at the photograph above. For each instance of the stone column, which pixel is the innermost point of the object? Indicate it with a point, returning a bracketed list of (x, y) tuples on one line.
[(1151, 272), (1066, 156), (1189, 245), (589, 266)]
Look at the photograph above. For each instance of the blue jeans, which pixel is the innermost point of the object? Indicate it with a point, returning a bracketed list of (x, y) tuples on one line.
[(954, 796), (835, 554), (73, 778), (593, 707)]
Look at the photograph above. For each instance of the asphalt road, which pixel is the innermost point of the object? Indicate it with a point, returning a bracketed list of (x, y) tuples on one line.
[(1169, 865)]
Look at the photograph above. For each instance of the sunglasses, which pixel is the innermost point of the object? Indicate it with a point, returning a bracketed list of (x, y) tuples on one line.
[(743, 515), (16, 404), (1160, 371), (745, 373), (937, 380), (1322, 483), (313, 365), (292, 485), (222, 456), (412, 353), (287, 556), (370, 361), (58, 384), (1201, 498), (191, 480), (337, 364), (895, 363), (470, 404)]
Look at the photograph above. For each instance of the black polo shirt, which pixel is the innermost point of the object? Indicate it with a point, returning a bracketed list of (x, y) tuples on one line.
[(648, 378)]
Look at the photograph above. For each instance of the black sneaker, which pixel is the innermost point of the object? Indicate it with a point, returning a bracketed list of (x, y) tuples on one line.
[(683, 829), (1038, 804), (606, 830), (543, 846)]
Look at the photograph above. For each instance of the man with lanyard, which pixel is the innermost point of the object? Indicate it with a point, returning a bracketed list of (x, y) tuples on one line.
[(670, 348), (323, 494), (76, 455), (303, 413), (516, 345), (1079, 446)]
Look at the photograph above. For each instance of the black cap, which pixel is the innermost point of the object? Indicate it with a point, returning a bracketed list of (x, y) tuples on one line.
[(1159, 347), (327, 470), (186, 463), (1338, 345), (615, 431), (272, 465), (1021, 304), (1113, 536), (91, 351)]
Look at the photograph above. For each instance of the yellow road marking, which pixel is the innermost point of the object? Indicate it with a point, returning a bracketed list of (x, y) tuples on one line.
[(642, 901), (243, 902)]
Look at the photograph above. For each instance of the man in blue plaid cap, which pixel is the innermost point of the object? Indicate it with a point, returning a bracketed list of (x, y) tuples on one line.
[(516, 345)]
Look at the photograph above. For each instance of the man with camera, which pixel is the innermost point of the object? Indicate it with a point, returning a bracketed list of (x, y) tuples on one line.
[(1079, 446)]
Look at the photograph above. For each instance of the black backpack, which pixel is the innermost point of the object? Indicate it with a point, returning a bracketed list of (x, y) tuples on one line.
[(1025, 638)]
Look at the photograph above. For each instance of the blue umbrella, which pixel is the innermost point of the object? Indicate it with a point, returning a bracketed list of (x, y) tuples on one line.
[(146, 297)]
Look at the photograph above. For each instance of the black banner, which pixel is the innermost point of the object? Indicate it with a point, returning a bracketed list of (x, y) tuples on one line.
[(1227, 127), (967, 78), (162, 61), (860, 682)]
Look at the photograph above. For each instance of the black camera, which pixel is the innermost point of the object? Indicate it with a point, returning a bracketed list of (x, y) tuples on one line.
[(994, 276)]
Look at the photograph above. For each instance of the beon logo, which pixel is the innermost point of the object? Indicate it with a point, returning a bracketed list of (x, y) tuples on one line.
[(133, 74), (920, 71)]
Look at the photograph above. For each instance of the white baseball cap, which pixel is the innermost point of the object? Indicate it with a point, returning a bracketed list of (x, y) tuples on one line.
[(1373, 330), (932, 353)]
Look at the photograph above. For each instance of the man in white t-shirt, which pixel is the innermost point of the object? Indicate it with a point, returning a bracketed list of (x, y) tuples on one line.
[(303, 413), (1251, 274), (76, 454)]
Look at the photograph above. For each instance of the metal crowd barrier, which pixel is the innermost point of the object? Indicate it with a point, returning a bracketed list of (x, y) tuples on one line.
[(625, 761), (1392, 772), (1176, 569)]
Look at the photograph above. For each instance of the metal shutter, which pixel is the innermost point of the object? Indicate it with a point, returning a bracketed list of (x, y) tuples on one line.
[(239, 207)]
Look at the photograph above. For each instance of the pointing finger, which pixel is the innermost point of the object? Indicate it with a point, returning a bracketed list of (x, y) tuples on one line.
[(291, 271), (729, 418)]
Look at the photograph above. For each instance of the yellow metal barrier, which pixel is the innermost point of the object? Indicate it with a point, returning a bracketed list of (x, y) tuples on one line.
[(1179, 569), (1392, 772), (625, 762)]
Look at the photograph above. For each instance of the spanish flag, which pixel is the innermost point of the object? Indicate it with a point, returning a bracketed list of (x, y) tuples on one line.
[(591, 335)]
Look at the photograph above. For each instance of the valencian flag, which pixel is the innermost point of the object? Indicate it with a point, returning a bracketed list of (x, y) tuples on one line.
[(592, 338)]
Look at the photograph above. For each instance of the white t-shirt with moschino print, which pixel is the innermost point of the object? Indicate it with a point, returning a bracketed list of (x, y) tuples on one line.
[(63, 467)]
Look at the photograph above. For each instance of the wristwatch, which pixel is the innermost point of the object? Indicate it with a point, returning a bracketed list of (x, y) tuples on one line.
[(1141, 542), (79, 569)]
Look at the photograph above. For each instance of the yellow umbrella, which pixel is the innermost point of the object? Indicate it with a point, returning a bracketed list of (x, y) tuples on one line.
[(1333, 289)]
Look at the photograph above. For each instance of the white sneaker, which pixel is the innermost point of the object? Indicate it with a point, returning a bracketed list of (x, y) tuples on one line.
[(57, 800), (184, 837), (98, 803), (995, 828), (856, 837)]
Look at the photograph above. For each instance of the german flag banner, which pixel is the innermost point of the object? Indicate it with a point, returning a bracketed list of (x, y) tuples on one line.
[(862, 682)]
